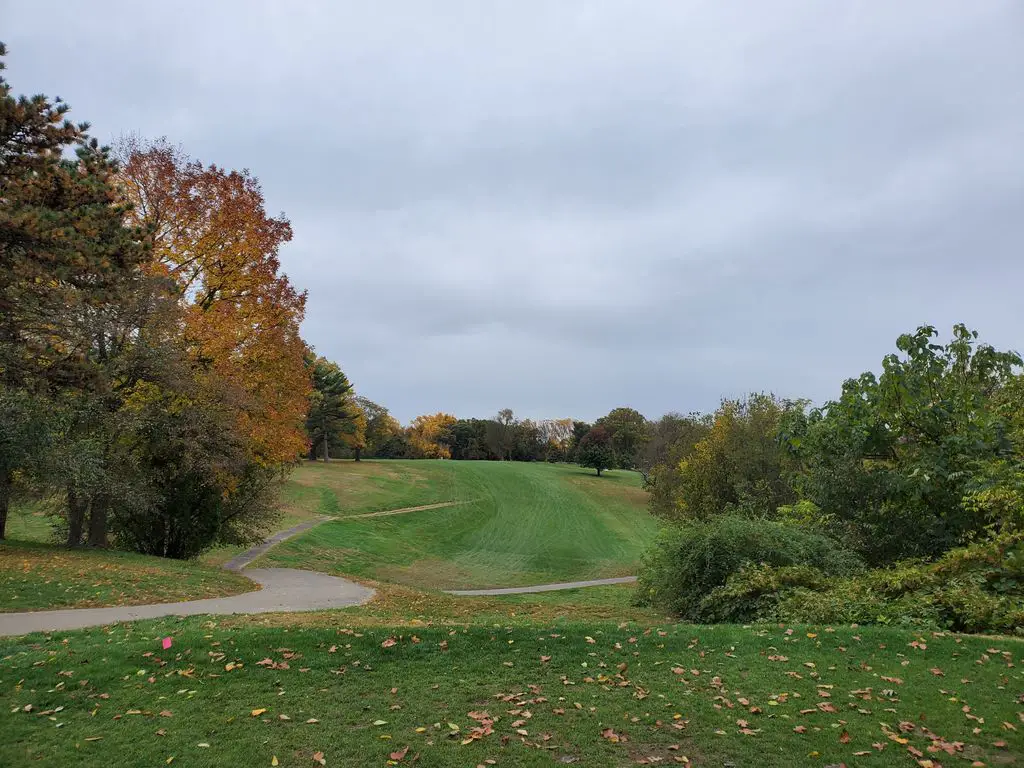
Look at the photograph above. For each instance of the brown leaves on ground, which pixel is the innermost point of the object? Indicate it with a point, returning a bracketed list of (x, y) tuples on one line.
[(271, 664), (614, 736)]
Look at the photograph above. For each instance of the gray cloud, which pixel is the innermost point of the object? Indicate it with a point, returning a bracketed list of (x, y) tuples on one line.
[(564, 207)]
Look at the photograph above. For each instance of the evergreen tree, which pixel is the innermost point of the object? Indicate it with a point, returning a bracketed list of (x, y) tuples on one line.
[(334, 420), (67, 260)]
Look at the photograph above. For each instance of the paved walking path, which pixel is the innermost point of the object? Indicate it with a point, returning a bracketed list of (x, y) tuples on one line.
[(541, 587), (239, 562), (282, 590)]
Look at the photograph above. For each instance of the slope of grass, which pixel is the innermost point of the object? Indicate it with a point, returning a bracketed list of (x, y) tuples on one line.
[(519, 524), (594, 694), (342, 488), (37, 577)]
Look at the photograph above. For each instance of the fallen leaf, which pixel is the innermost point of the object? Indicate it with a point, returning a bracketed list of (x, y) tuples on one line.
[(257, 712)]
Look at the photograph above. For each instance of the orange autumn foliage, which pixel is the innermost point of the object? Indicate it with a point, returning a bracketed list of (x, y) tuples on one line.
[(214, 239)]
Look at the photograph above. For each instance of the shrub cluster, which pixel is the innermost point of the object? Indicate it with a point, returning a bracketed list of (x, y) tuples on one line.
[(779, 511), (977, 588), (688, 562)]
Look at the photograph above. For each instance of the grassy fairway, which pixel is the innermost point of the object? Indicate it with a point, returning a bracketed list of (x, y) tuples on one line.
[(40, 577), (523, 524), (236, 694)]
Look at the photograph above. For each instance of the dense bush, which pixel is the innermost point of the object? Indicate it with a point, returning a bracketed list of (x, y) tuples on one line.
[(978, 588), (921, 458), (687, 562)]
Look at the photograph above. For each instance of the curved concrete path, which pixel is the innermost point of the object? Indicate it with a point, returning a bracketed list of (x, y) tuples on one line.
[(284, 589), (541, 587)]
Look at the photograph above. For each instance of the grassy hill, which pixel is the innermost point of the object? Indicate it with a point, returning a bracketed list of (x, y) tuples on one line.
[(515, 523)]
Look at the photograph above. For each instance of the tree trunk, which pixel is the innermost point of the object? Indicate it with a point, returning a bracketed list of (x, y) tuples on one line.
[(98, 522), (358, 450), (327, 449), (76, 518), (598, 471), (6, 479)]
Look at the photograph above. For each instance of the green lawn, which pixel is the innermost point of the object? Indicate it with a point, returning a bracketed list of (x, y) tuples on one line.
[(37, 576), (596, 694), (521, 524)]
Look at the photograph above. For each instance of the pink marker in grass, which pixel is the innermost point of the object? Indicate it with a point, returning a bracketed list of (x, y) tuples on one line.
[(166, 643)]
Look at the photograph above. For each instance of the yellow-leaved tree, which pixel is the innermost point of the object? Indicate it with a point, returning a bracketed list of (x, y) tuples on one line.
[(429, 435)]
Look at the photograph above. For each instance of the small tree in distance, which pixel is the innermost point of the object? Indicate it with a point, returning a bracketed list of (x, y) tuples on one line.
[(595, 450)]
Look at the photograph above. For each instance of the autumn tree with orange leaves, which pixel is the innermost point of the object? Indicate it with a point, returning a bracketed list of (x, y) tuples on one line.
[(213, 237)]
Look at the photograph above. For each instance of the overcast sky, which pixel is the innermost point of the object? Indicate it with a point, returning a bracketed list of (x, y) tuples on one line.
[(562, 207)]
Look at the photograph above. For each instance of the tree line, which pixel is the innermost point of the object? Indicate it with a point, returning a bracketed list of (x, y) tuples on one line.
[(344, 425)]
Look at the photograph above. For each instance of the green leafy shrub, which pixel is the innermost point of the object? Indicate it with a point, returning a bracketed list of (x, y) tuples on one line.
[(687, 562), (979, 588), (921, 458)]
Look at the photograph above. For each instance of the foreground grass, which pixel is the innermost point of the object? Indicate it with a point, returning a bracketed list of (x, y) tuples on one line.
[(518, 524), (594, 694), (37, 576)]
